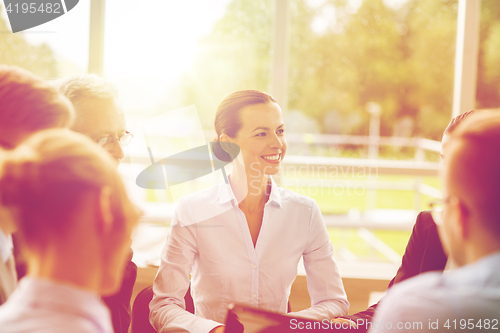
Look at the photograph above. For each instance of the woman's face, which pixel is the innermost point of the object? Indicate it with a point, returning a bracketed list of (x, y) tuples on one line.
[(261, 139)]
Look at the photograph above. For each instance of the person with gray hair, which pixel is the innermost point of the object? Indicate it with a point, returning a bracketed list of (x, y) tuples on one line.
[(99, 114)]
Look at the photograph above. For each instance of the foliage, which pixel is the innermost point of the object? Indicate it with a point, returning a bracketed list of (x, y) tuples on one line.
[(235, 56), (15, 50), (488, 79), (402, 59)]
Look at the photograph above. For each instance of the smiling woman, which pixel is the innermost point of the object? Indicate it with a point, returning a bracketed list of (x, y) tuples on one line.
[(260, 137), (244, 240)]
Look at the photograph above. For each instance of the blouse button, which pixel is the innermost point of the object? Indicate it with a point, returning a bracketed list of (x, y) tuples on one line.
[(254, 266), (254, 296)]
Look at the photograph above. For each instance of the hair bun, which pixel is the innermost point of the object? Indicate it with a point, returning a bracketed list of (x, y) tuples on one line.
[(219, 152)]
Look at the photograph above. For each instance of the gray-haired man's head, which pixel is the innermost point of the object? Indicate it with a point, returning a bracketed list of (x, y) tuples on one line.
[(98, 112)]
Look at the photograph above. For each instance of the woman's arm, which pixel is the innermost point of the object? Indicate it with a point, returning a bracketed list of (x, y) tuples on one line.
[(167, 309), (325, 286)]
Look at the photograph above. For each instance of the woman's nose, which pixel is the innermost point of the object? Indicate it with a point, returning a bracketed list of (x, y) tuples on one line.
[(276, 142)]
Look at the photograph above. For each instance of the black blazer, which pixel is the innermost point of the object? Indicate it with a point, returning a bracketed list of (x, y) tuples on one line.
[(424, 253)]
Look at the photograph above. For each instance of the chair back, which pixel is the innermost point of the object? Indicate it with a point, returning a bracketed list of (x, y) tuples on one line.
[(140, 310)]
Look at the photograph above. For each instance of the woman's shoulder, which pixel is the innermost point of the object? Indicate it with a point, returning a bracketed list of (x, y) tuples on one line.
[(291, 197), (208, 194), (203, 205)]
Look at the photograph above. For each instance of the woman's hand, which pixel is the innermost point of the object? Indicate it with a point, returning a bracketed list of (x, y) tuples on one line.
[(218, 329), (350, 323)]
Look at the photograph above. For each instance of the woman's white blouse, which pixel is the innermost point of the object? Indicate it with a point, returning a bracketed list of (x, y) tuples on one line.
[(45, 306), (209, 238)]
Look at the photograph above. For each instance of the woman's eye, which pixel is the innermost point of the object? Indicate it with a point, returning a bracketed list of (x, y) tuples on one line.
[(261, 134), (281, 131)]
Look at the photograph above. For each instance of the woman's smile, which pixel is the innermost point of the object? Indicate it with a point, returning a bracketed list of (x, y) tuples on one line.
[(273, 159)]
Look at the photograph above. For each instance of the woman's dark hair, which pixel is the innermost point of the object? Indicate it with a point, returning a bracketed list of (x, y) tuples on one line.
[(228, 120)]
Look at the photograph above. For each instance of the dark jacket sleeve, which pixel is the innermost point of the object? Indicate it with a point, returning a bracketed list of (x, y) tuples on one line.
[(423, 253), (415, 249), (119, 304)]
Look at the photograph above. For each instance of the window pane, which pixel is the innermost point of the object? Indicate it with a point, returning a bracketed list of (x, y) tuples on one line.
[(53, 50), (488, 77), (398, 54), (163, 55), (363, 73)]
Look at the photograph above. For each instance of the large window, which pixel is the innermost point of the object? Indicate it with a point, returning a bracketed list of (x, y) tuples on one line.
[(56, 49), (163, 55), (367, 80)]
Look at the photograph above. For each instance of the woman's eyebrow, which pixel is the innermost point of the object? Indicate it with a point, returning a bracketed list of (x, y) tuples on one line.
[(261, 128), (267, 128)]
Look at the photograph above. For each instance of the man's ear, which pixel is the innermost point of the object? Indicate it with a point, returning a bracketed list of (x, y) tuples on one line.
[(463, 220), (104, 210)]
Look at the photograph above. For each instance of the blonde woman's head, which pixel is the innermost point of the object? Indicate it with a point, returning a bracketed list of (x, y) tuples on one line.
[(65, 194)]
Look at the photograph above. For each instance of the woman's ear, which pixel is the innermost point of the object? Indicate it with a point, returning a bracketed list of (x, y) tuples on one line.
[(104, 210), (225, 143)]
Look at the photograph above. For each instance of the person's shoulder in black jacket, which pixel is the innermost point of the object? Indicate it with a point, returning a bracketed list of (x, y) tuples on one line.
[(424, 253), (119, 304)]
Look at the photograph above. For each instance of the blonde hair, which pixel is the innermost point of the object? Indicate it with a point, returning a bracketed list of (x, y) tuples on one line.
[(42, 180), (475, 166), (29, 103)]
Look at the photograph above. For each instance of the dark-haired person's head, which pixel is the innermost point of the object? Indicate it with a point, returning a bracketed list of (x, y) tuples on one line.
[(98, 112), (71, 209), (471, 189), (28, 104), (253, 121)]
